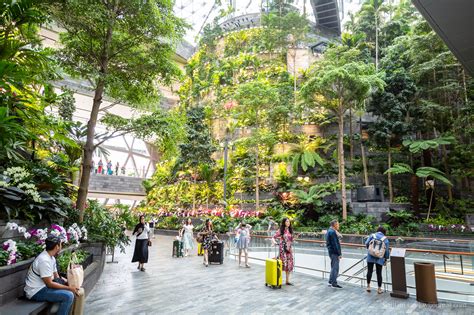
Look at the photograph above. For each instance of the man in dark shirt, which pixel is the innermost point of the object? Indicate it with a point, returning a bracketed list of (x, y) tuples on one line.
[(334, 249)]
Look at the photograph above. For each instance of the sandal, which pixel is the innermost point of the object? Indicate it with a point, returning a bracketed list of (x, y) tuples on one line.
[(289, 283), (143, 269), (247, 266), (368, 289), (379, 291)]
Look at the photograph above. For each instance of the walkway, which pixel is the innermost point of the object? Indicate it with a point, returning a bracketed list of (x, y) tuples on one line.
[(185, 286)]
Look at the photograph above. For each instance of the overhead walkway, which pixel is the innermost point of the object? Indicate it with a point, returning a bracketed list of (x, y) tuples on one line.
[(116, 187), (326, 13)]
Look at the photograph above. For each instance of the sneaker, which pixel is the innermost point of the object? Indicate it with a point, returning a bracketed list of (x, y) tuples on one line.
[(336, 286), (329, 284)]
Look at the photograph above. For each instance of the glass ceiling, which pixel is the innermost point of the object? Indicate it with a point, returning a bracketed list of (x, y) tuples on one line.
[(198, 13)]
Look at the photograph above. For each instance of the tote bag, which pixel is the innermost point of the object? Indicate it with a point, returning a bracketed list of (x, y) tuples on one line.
[(75, 273)]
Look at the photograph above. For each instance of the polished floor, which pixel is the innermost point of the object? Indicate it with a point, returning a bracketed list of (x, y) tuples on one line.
[(185, 286)]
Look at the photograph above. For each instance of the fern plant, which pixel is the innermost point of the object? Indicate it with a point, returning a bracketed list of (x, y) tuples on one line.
[(422, 172), (305, 154)]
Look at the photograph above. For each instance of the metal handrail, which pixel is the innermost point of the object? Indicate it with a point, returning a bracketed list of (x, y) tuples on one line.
[(358, 262), (413, 250), (395, 237), (363, 278)]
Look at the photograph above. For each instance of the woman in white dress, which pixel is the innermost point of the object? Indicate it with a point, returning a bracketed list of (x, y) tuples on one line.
[(188, 238)]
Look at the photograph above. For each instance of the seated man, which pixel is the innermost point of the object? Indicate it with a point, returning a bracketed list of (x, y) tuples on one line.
[(43, 282)]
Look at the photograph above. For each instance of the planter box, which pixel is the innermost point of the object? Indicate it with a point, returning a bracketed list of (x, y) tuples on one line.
[(369, 193), (282, 148), (308, 129), (12, 278)]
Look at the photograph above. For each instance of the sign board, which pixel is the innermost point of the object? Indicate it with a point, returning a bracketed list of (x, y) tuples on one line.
[(397, 252)]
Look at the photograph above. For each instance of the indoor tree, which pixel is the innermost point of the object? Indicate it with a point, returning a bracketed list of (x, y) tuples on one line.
[(336, 81), (254, 99), (123, 49), (197, 147), (390, 107)]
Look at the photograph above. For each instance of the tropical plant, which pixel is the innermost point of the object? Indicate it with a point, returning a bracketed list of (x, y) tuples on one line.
[(123, 48), (315, 194), (304, 154), (253, 98), (391, 108), (337, 81), (103, 226), (421, 172)]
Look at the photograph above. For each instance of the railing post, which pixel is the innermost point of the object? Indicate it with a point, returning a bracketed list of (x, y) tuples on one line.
[(462, 268), (444, 263)]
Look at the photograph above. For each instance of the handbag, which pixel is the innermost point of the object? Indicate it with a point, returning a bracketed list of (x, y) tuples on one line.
[(285, 245), (149, 243), (75, 273)]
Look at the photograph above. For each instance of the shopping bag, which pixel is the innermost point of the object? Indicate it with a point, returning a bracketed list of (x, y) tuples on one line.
[(75, 273)]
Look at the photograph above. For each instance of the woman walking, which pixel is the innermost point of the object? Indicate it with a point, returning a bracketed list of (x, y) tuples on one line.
[(377, 254), (142, 242), (242, 235), (207, 235), (188, 239), (284, 236)]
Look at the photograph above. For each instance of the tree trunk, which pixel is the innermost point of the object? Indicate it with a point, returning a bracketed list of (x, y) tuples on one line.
[(341, 163), (194, 192), (389, 175), (257, 190), (89, 150), (415, 194), (376, 42), (351, 136), (89, 146), (446, 170), (257, 182), (364, 163)]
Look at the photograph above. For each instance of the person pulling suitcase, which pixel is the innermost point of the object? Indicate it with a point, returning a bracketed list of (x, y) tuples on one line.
[(207, 236)]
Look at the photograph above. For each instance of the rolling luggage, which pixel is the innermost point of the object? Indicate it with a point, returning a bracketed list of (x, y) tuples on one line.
[(216, 252), (200, 250), (177, 249), (273, 273)]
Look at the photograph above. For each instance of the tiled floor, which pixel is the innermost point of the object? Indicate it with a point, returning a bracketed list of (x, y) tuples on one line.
[(185, 286)]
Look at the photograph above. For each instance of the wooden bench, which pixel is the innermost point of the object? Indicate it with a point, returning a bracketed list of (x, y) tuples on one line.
[(22, 305)]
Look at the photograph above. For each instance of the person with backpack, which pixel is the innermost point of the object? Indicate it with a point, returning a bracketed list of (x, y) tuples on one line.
[(334, 249), (377, 254)]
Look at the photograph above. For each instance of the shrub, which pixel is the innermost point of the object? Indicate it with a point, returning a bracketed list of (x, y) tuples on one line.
[(104, 227), (65, 257)]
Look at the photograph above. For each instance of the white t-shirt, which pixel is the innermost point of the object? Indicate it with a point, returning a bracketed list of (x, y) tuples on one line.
[(43, 266), (144, 234)]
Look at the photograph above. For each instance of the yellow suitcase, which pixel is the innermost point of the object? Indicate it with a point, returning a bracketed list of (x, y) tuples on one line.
[(200, 250), (273, 273)]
